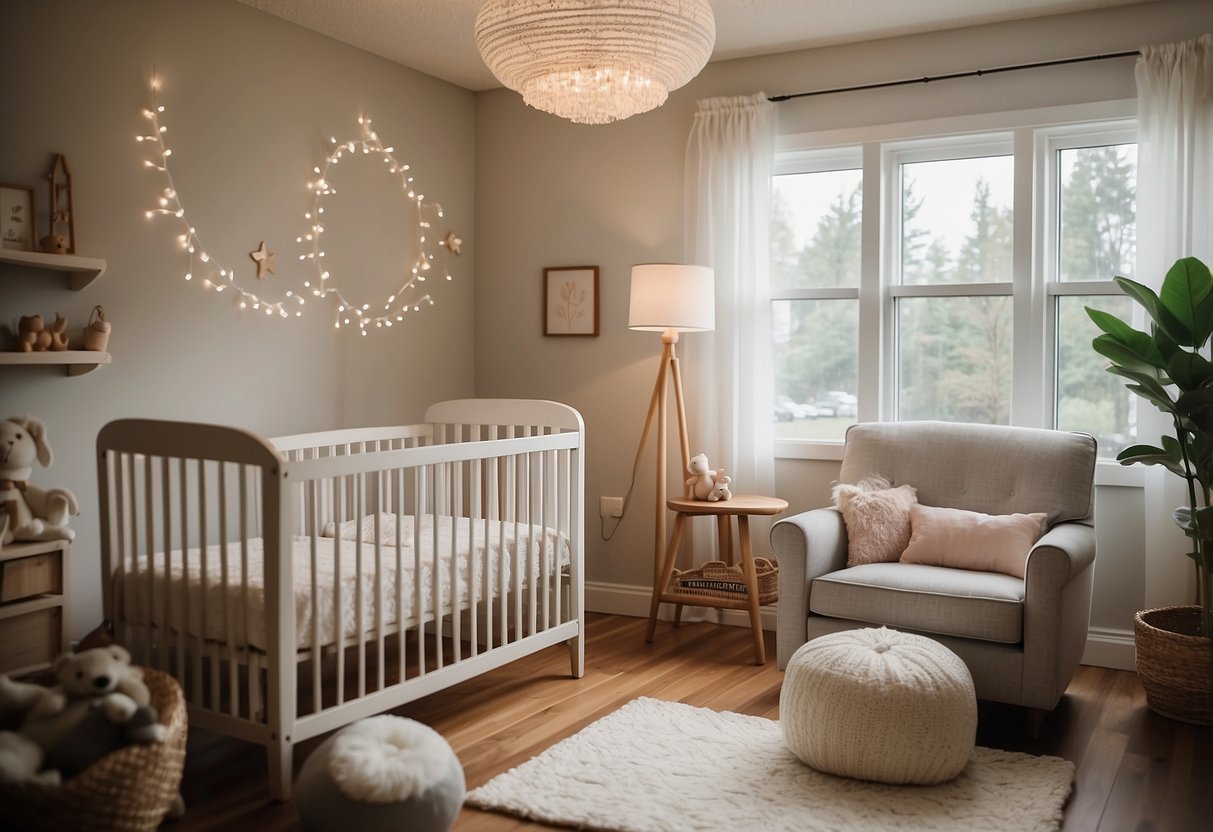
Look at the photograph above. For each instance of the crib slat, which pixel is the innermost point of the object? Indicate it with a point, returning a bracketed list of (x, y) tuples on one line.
[(435, 559), (183, 581), (401, 622), (377, 509), (452, 593), (477, 509), (118, 584), (359, 485), (338, 594), (245, 602), (419, 475), (205, 577), (317, 654)]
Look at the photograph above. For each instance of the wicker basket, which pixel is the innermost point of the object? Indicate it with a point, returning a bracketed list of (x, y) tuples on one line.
[(1175, 668), (716, 579), (96, 336), (129, 790)]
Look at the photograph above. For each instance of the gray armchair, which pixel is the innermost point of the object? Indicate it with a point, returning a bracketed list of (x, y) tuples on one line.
[(1021, 639)]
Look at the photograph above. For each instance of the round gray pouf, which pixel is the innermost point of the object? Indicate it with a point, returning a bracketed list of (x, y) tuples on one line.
[(379, 774), (879, 704)]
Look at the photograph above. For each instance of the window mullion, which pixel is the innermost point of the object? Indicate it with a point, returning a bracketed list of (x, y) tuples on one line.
[(875, 317), (1030, 400)]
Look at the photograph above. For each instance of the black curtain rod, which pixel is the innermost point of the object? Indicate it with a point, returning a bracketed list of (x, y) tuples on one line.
[(926, 79)]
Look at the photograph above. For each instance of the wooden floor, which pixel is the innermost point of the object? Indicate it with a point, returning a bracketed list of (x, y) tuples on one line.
[(1135, 770)]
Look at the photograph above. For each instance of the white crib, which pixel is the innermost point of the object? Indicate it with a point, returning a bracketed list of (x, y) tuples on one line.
[(297, 584)]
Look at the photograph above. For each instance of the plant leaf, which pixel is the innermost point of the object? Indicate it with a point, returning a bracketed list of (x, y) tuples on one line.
[(1148, 386), (1138, 354), (1189, 370), (1187, 294), (1159, 313), (1150, 455)]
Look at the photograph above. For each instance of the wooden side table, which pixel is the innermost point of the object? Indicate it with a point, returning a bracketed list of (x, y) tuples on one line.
[(741, 506)]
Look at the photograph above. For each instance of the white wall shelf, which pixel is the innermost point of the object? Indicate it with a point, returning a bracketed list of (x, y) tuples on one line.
[(77, 362), (81, 271)]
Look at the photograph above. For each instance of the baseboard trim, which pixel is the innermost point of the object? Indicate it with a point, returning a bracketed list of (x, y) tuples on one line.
[(626, 599), (1109, 647), (1106, 647)]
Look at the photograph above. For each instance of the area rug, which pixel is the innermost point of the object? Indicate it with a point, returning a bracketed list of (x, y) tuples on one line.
[(655, 766)]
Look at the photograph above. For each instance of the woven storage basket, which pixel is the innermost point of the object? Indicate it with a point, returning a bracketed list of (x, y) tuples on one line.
[(129, 790), (96, 336), (716, 579), (1175, 669)]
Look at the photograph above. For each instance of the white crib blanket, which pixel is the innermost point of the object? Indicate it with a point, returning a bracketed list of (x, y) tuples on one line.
[(186, 590)]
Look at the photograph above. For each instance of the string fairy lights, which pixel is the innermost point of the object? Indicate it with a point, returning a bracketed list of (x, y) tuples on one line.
[(410, 297), (216, 275)]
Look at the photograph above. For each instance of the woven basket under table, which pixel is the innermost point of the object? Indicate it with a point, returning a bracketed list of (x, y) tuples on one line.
[(716, 579), (129, 790)]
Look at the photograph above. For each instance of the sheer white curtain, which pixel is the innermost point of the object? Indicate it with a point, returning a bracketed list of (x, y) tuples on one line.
[(1174, 219), (729, 160)]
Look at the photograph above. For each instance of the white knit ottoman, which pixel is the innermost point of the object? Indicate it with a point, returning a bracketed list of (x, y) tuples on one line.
[(878, 704)]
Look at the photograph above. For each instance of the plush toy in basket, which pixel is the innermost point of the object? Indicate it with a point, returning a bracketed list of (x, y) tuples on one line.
[(102, 749)]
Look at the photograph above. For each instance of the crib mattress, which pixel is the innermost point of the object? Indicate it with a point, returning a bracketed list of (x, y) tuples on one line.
[(196, 592)]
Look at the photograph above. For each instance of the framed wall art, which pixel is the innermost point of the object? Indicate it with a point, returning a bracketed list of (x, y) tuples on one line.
[(570, 300), (17, 232)]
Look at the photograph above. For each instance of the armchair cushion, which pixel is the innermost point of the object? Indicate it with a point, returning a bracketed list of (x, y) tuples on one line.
[(972, 540), (877, 521), (929, 599)]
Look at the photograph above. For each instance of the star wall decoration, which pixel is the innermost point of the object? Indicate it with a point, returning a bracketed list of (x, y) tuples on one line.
[(452, 242), (264, 258)]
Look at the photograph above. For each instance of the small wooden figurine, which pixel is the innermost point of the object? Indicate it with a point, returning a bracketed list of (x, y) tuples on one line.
[(62, 209)]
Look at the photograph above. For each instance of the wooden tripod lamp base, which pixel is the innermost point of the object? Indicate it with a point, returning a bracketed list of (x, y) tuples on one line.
[(669, 298)]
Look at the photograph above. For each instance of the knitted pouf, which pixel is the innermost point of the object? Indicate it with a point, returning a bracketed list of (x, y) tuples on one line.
[(878, 704), (379, 774)]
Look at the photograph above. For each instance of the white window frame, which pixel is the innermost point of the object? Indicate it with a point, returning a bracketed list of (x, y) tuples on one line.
[(816, 161), (1033, 137)]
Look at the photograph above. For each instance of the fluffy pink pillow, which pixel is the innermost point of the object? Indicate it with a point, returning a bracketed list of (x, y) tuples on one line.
[(877, 519), (972, 540)]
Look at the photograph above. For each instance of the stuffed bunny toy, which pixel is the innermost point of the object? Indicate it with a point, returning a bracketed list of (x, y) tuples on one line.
[(26, 511)]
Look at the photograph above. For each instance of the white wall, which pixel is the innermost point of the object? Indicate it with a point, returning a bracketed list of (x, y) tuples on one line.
[(250, 103), (553, 193)]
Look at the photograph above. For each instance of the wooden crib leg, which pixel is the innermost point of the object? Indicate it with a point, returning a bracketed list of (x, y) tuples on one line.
[(577, 656), (278, 753)]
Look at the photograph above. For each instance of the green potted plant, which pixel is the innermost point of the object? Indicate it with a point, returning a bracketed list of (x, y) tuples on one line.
[(1167, 367)]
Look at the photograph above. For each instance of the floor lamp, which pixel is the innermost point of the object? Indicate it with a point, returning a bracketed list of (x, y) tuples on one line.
[(669, 298)]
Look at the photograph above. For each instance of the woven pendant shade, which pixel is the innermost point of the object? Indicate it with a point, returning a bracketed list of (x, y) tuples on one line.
[(595, 61)]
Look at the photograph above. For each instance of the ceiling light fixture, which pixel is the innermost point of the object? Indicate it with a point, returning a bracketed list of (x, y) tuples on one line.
[(595, 61)]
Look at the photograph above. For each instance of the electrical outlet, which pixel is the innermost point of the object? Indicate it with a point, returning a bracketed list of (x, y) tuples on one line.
[(610, 506)]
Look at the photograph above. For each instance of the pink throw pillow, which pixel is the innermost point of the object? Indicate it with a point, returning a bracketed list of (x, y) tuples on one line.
[(972, 540), (878, 521)]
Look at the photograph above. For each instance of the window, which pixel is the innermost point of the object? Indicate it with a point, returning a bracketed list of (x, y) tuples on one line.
[(816, 225), (962, 296), (1093, 235), (954, 333)]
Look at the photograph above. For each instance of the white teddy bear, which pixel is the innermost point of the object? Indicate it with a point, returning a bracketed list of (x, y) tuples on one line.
[(26, 511), (98, 681), (703, 480)]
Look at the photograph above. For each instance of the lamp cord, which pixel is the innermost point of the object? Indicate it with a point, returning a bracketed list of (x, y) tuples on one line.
[(627, 498)]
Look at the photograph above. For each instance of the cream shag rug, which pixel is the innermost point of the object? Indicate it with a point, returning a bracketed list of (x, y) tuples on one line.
[(654, 765)]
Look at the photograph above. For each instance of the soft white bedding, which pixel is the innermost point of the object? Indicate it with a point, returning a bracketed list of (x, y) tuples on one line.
[(187, 586)]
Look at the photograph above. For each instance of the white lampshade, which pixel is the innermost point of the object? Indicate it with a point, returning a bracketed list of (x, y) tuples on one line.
[(672, 296), (595, 62)]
